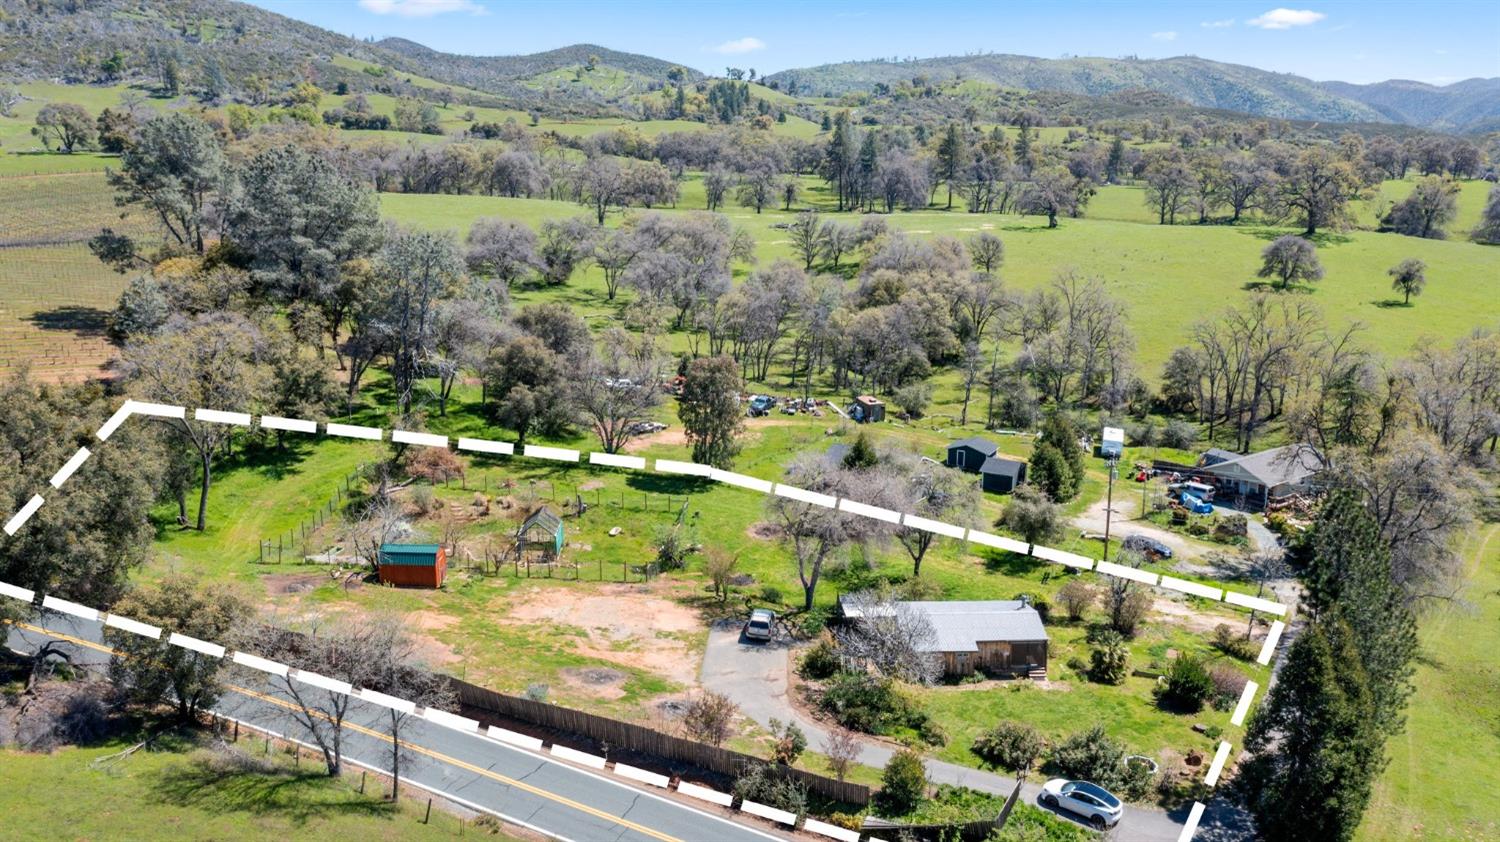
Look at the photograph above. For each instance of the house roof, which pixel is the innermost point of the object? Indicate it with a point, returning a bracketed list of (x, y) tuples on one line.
[(983, 445), (417, 554), (869, 400), (1114, 434), (1286, 465), (961, 625), (1215, 455), (1002, 466), (543, 517)]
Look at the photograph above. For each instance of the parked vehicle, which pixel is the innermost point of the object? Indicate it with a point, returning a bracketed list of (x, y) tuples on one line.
[(1147, 546), (1195, 505), (643, 428), (758, 627), (1093, 803), (761, 405)]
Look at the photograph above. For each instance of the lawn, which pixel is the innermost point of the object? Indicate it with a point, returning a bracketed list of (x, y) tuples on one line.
[(1443, 779), (165, 793)]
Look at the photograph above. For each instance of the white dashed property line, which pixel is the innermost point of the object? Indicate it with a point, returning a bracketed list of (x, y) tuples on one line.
[(513, 738), (158, 410), (802, 495), (616, 460), (559, 454), (1255, 603), (216, 416), (20, 517), (1121, 571), (936, 527), (1193, 588), (1243, 707), (503, 448), (1194, 816), (378, 698), (66, 607), (582, 758), (1272, 637), (424, 439), (115, 421), (703, 793), (291, 425), (997, 541), (764, 486), (213, 650), (766, 811), (322, 682), (865, 510), (256, 662), (1214, 769), (132, 626), (354, 431), (692, 469), (642, 775), (23, 594), (832, 831), (69, 467), (451, 720), (1069, 559)]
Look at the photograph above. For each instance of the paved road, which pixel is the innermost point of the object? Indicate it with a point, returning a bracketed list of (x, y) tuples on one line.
[(755, 676), (523, 787)]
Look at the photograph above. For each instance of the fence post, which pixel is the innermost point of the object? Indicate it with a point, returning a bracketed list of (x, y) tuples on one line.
[(427, 819)]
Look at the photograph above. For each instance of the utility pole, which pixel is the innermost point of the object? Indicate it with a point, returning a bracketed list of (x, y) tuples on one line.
[(1109, 505)]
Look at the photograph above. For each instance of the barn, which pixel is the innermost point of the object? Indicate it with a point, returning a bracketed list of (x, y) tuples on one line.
[(998, 637), (413, 565)]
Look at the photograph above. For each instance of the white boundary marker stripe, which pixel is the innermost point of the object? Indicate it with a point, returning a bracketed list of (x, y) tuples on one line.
[(213, 650), (218, 416), (67, 469), (1272, 637), (692, 469), (15, 592), (583, 758), (832, 831), (617, 460), (73, 608), (997, 541), (1214, 769), (764, 486), (323, 682), (802, 495), (378, 698), (132, 626), (158, 410), (355, 431), (936, 527), (1243, 707), (1193, 588), (256, 662), (703, 793), (560, 454), (766, 811), (504, 448), (855, 507), (1255, 603), (424, 439), (1069, 559), (1111, 569), (115, 421), (642, 775), (513, 738), (19, 518), (450, 720), (1195, 815), (294, 425)]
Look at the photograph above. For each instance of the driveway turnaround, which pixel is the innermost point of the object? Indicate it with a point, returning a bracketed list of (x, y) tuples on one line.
[(523, 787)]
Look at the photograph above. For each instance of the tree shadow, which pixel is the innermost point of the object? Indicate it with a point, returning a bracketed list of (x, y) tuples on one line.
[(1393, 304), (89, 321), (1320, 239), (1267, 286), (215, 784), (1009, 563)]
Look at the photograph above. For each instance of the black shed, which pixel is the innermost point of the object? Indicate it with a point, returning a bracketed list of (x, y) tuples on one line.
[(1001, 475), (969, 454)]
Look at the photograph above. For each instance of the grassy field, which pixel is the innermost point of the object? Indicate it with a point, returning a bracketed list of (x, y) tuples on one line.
[(1442, 781), (167, 794)]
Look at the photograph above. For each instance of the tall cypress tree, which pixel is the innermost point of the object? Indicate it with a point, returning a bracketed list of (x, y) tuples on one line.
[(1350, 572), (1315, 748)]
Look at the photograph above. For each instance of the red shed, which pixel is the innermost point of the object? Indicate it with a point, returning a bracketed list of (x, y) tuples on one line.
[(413, 565)]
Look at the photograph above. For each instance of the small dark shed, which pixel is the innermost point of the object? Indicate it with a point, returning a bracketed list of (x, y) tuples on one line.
[(541, 532), (969, 454), (1001, 475), (867, 409), (413, 565)]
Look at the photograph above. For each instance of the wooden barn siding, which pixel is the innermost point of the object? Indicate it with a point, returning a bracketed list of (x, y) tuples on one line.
[(631, 737)]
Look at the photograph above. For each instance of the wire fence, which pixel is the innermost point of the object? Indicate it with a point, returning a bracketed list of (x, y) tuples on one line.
[(295, 540)]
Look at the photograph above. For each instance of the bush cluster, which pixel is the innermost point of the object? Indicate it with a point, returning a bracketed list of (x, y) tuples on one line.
[(869, 703)]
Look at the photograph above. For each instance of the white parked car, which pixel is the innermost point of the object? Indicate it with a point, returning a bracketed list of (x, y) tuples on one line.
[(758, 627), (1091, 802)]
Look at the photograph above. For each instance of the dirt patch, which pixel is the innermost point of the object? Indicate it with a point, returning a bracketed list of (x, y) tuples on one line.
[(672, 437), (763, 531), (623, 624), (591, 485), (282, 584), (596, 681), (1188, 617), (429, 649)]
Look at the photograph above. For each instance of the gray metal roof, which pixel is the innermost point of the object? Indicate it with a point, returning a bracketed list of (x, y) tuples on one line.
[(1002, 466), (543, 517), (983, 445), (1215, 455), (961, 625), (1278, 466)]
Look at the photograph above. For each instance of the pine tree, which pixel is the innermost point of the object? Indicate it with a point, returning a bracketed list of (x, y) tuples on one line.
[(1049, 471), (861, 455), (1314, 747), (1059, 432), (952, 152)]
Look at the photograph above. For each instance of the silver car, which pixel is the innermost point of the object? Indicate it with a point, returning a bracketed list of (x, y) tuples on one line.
[(758, 627), (1091, 802)]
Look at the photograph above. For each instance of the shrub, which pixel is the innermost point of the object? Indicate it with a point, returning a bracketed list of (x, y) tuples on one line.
[(820, 661), (869, 703), (1091, 756), (1187, 685), (1179, 435), (771, 594), (1228, 684), (536, 691), (790, 742), (709, 717), (1127, 608), (932, 733), (1033, 824), (1110, 661), (1013, 746), (903, 784), (759, 782), (422, 497), (1233, 645), (914, 397), (1076, 597)]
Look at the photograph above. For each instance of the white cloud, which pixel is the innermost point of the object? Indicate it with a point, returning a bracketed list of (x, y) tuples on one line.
[(1217, 24), (421, 8), (739, 46), (1286, 18), (1163, 36)]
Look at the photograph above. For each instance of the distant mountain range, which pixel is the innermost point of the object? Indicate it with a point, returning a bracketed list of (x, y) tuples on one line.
[(1470, 105)]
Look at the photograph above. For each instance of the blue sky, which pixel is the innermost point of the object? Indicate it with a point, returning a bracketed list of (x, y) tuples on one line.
[(1367, 41)]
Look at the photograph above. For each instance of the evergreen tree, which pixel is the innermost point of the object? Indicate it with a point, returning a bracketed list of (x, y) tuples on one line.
[(1116, 161), (1059, 432), (710, 410), (1314, 747), (869, 166), (1049, 471), (861, 455), (952, 153)]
